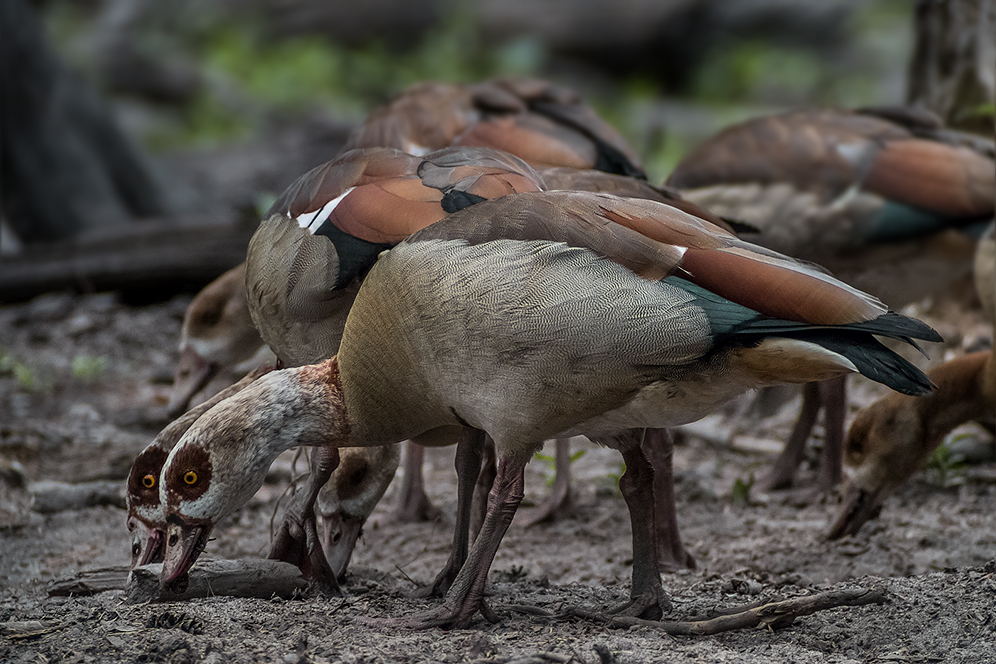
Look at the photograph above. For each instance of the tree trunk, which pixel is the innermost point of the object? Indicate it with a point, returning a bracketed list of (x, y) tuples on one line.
[(953, 71), (65, 167)]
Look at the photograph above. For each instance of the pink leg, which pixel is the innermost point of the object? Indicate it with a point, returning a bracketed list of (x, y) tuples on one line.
[(466, 596), (647, 597), (297, 541), (468, 467), (834, 396), (559, 502), (658, 446), (485, 482), (413, 503), (782, 473)]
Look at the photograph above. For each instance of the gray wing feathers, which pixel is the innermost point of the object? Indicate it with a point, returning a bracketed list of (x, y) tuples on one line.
[(534, 294)]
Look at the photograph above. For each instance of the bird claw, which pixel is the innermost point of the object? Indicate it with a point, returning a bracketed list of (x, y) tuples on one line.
[(297, 543), (445, 616), (650, 605)]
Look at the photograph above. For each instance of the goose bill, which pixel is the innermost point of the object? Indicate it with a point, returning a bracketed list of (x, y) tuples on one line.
[(193, 373), (184, 542), (856, 507), (147, 543), (339, 535)]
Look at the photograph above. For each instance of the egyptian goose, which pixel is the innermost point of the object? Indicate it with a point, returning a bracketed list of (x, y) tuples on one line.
[(877, 196), (217, 335), (146, 519), (533, 316), (307, 258), (545, 124), (892, 438), (350, 496)]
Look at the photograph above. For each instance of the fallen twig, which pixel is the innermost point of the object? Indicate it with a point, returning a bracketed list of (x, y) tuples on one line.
[(27, 629), (91, 582), (257, 577), (544, 658), (770, 615)]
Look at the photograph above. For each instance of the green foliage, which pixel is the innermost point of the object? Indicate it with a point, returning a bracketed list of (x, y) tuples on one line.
[(741, 490), (86, 367), (945, 466), (250, 77), (758, 70), (25, 377), (550, 462), (614, 478)]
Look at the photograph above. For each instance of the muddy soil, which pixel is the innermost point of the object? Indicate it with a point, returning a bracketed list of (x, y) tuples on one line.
[(83, 385)]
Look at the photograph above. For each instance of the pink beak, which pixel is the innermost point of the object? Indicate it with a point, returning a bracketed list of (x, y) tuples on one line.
[(192, 373), (184, 543)]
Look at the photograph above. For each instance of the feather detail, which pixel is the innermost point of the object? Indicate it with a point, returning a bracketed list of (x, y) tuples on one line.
[(951, 180), (790, 290), (776, 359), (544, 123)]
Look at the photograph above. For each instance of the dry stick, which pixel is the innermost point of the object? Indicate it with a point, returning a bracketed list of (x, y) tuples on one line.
[(253, 577), (90, 582), (771, 615)]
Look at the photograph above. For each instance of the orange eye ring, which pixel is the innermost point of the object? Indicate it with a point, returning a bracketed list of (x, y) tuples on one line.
[(149, 481), (190, 477)]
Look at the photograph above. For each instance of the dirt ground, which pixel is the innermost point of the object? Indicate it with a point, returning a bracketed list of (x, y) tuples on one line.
[(83, 384)]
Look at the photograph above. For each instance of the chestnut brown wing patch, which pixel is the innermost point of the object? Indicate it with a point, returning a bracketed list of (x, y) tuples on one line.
[(189, 475), (387, 212), (536, 139), (325, 183), (950, 180), (775, 290)]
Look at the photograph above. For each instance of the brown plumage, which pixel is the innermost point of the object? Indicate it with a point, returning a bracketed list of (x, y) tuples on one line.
[(879, 196), (217, 338), (534, 328), (543, 123), (893, 438), (310, 253), (850, 190)]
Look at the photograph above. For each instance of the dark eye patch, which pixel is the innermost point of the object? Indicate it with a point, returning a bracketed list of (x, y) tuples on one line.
[(191, 462), (149, 463)]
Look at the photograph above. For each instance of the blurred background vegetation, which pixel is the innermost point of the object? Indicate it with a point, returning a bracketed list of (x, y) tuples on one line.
[(232, 71)]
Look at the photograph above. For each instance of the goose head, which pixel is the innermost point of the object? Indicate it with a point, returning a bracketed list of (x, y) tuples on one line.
[(350, 496), (892, 439), (145, 516), (877, 458), (217, 333), (222, 459)]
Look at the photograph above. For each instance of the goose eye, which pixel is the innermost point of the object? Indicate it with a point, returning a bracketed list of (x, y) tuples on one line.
[(149, 481), (190, 477)]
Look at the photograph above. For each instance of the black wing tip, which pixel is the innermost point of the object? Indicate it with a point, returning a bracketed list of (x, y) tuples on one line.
[(898, 326)]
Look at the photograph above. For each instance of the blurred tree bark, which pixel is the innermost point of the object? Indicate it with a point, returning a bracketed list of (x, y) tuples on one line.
[(953, 71), (65, 167)]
